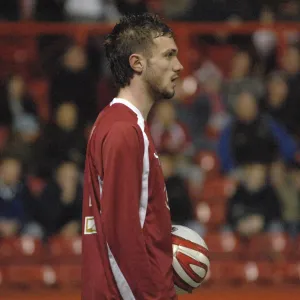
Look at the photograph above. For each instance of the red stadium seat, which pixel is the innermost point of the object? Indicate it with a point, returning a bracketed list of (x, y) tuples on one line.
[(269, 246), (223, 246), (229, 272), (296, 250), (2, 277), (39, 89), (218, 188), (30, 275), (209, 163), (68, 275), (4, 135), (67, 250), (211, 214), (21, 250), (35, 185), (291, 272)]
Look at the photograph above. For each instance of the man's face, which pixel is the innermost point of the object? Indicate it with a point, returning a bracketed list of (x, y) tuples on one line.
[(163, 68)]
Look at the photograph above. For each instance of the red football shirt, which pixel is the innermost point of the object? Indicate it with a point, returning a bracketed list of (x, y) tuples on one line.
[(127, 245)]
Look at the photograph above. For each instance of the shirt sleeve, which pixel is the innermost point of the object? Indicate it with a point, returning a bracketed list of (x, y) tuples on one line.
[(122, 154)]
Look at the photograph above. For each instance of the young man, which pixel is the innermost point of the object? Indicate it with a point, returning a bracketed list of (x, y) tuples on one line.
[(127, 246)]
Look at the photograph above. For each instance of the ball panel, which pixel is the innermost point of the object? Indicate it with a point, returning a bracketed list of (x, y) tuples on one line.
[(183, 286), (182, 242), (188, 234), (190, 259), (185, 276)]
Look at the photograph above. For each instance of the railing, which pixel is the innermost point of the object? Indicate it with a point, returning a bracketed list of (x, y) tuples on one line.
[(183, 32)]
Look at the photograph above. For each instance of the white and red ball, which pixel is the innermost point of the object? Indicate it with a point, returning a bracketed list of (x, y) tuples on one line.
[(190, 259)]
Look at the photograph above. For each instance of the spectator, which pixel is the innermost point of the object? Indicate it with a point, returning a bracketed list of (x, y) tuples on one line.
[(10, 10), (179, 201), (60, 202), (289, 11), (168, 134), (222, 10), (279, 103), (291, 61), (126, 7), (83, 11), (15, 198), (209, 111), (265, 40), (286, 190), (16, 106), (253, 138), (241, 79), (61, 140), (254, 206), (51, 11), (74, 82)]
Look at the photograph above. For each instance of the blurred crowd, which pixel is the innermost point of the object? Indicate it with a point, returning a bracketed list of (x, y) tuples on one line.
[(179, 10), (245, 114)]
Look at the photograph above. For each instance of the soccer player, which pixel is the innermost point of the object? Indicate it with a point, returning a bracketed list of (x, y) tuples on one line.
[(127, 245)]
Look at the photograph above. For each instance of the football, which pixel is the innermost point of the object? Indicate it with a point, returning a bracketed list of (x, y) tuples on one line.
[(190, 259)]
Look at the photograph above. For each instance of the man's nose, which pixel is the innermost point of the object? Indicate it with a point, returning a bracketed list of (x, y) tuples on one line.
[(178, 66)]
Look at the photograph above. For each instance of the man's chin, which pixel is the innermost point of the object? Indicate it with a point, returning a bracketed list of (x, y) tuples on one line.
[(169, 95)]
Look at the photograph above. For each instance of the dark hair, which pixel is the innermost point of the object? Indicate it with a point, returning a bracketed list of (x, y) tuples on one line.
[(133, 33)]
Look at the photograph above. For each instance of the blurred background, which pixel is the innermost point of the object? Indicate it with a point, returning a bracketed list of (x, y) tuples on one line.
[(228, 141)]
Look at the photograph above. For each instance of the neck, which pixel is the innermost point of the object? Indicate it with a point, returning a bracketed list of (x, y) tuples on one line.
[(137, 95)]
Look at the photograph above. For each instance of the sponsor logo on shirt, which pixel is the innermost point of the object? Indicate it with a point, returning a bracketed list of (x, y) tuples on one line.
[(89, 225)]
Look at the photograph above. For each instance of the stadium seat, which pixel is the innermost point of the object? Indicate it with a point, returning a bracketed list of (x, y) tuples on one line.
[(223, 246), (296, 249), (4, 134), (291, 272), (67, 250), (209, 163), (39, 89), (68, 275), (30, 275), (2, 277), (21, 250), (211, 215), (217, 189), (35, 185), (274, 246), (224, 273)]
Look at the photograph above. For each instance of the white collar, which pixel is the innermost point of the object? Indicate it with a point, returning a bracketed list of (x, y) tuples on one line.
[(128, 104)]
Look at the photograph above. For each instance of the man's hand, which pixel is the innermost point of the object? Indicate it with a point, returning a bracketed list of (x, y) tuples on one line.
[(8, 228), (251, 225), (71, 229)]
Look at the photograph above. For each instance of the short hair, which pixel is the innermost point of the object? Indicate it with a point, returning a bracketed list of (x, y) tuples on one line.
[(132, 34)]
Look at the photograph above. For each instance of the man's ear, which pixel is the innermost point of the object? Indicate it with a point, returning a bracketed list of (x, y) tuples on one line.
[(136, 62)]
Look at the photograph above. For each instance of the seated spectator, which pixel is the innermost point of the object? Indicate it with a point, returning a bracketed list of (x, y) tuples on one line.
[(73, 81), (241, 79), (253, 137), (21, 143), (254, 207), (279, 103), (286, 190), (61, 140), (169, 135), (16, 106), (179, 201), (15, 198), (60, 202), (209, 111), (289, 11)]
